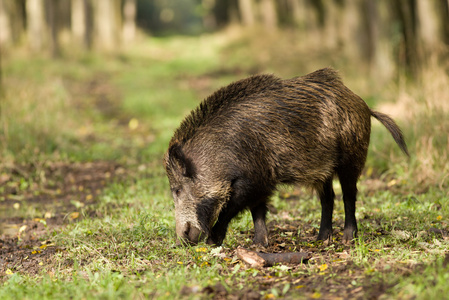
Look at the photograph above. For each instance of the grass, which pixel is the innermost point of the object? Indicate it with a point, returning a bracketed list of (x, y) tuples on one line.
[(124, 108)]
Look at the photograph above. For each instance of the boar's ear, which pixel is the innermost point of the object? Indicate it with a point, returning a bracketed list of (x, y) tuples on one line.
[(187, 168)]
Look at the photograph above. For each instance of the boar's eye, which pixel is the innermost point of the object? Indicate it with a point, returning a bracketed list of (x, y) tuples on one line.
[(177, 192)]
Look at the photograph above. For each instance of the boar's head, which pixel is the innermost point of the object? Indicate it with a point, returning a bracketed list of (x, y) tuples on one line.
[(197, 197)]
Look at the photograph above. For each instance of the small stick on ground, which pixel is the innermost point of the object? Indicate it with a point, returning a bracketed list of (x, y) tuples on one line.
[(259, 259)]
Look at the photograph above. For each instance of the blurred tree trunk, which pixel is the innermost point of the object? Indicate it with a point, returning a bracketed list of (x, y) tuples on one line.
[(16, 12), (247, 12), (378, 16), (89, 15), (408, 54), (330, 29), (298, 10), (429, 27), (5, 25), (55, 24), (444, 15), (129, 21), (36, 27), (209, 17), (3, 124), (11, 22), (269, 15), (351, 32), (225, 12), (79, 22), (1, 77), (106, 23)]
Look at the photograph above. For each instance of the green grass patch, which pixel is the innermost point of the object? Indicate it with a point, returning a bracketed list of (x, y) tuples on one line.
[(124, 108)]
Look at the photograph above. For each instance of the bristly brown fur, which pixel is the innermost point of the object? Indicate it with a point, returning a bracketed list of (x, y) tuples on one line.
[(233, 150), (220, 101)]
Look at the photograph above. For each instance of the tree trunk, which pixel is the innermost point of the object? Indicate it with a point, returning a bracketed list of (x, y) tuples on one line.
[(36, 27), (129, 21), (89, 12), (408, 54), (5, 25), (15, 11), (53, 20), (105, 23), (349, 28), (428, 27), (298, 11), (381, 61), (269, 16), (247, 15), (329, 30), (3, 124), (78, 25)]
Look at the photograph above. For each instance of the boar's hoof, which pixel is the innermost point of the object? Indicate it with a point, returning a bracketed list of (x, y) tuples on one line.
[(215, 238), (349, 235), (261, 240), (325, 236)]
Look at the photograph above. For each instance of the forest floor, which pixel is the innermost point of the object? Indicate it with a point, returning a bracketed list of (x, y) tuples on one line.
[(86, 211), (27, 246), (24, 242)]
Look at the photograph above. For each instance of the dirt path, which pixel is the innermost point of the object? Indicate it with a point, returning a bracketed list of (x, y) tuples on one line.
[(38, 201)]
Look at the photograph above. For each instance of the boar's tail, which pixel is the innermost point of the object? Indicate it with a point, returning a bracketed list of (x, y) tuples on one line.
[(393, 128)]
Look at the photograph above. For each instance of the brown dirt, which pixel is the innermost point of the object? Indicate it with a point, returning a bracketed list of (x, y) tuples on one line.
[(37, 201), (330, 274), (61, 190)]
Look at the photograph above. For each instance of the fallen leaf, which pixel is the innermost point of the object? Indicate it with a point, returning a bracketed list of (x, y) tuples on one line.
[(369, 171), (401, 234), (133, 124), (323, 267), (4, 177), (392, 182), (74, 215), (77, 204), (9, 272), (22, 228)]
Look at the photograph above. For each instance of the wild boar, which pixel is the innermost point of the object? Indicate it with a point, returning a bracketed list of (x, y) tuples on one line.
[(232, 151)]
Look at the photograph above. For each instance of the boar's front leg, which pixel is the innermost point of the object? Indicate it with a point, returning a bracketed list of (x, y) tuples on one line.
[(260, 228), (218, 232)]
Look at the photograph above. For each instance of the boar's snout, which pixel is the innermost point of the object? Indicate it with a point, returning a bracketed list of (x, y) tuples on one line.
[(187, 233)]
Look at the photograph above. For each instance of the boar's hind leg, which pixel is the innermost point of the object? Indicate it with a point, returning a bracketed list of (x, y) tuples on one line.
[(327, 206), (348, 181), (260, 228)]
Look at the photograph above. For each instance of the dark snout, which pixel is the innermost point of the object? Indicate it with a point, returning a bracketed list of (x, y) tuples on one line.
[(187, 233)]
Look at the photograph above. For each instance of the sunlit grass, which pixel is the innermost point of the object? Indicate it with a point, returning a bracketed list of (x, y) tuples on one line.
[(128, 250)]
